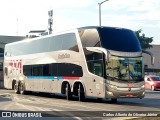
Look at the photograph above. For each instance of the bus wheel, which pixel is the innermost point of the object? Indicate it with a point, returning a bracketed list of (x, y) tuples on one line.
[(81, 95), (16, 88), (114, 100), (68, 92), (22, 88)]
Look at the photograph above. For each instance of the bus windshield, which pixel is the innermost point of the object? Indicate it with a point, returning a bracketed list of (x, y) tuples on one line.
[(124, 39), (123, 68)]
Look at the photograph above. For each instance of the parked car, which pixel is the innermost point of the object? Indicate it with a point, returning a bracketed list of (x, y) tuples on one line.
[(152, 82)]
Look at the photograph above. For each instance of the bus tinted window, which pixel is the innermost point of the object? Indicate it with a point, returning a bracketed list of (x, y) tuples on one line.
[(55, 43), (69, 43), (27, 70), (89, 38), (46, 70), (95, 63), (54, 69), (119, 39), (70, 70), (43, 45), (37, 70), (1, 66)]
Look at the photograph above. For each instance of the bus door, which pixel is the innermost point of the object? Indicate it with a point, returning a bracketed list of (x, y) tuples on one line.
[(96, 66)]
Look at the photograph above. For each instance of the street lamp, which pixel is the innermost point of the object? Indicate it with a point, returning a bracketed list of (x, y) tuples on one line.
[(100, 11)]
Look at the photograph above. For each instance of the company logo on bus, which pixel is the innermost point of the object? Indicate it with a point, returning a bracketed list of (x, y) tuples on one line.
[(62, 56), (16, 66)]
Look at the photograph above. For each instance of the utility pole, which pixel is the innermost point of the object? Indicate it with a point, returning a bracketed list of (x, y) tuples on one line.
[(50, 21), (100, 11)]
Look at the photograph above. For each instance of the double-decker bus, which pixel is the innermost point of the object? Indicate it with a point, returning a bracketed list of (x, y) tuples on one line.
[(100, 62)]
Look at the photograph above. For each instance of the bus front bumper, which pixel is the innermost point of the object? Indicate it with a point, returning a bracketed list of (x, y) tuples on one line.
[(112, 92)]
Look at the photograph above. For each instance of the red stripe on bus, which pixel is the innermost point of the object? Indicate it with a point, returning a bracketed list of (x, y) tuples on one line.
[(71, 78)]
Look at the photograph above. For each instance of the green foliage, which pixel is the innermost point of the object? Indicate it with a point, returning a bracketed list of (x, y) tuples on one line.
[(158, 74), (144, 41)]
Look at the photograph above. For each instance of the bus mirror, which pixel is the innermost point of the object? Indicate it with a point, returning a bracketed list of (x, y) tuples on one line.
[(100, 50), (93, 49), (108, 56), (152, 60), (151, 54)]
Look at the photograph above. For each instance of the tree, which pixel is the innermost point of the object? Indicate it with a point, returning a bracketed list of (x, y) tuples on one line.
[(144, 41)]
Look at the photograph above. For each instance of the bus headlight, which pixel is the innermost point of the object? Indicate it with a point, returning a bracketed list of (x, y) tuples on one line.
[(143, 94), (109, 93), (113, 86)]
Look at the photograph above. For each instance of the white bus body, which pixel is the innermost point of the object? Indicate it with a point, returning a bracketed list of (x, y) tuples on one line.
[(77, 62)]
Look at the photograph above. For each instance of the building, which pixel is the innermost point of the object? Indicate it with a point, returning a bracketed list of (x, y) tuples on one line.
[(152, 69), (37, 33), (8, 39), (4, 40)]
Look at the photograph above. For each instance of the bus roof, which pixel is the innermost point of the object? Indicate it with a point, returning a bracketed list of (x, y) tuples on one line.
[(37, 38), (99, 27), (80, 28)]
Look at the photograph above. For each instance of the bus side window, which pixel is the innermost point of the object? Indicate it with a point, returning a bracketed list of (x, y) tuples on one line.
[(27, 70), (98, 68), (6, 71), (95, 62)]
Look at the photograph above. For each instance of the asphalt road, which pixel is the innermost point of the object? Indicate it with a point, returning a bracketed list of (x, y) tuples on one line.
[(57, 105)]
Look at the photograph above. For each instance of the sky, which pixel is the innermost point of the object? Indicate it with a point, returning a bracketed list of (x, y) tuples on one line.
[(18, 17)]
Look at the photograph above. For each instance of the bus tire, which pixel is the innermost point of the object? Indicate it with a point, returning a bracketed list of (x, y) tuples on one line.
[(22, 88), (16, 87), (68, 92), (81, 95), (113, 100)]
